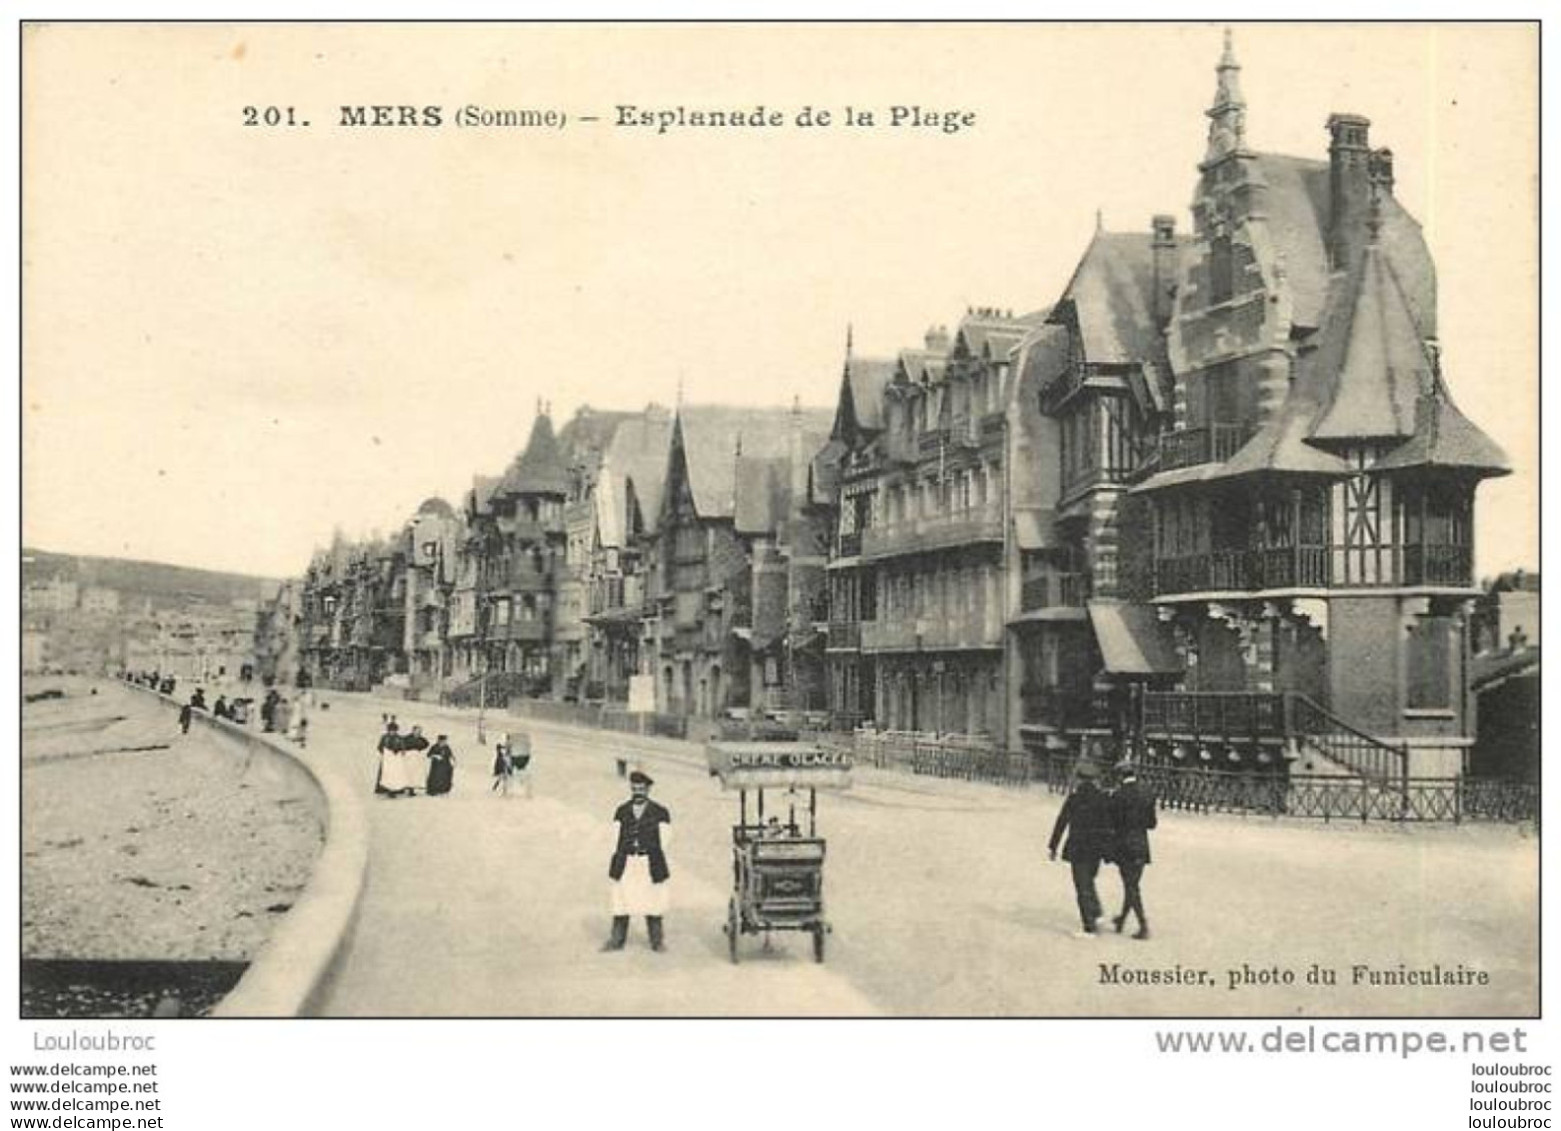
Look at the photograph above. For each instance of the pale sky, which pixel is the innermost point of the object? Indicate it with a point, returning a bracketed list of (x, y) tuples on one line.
[(239, 338)]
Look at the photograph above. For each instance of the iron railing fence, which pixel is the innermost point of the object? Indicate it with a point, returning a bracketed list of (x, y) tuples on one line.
[(1274, 792)]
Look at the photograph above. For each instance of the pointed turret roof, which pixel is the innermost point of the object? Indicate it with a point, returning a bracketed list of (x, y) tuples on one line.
[(1445, 438), (1383, 367), (539, 470)]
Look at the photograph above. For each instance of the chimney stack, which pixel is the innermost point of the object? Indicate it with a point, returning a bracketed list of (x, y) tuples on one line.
[(937, 339), (1163, 248), (1382, 170), (1349, 182)]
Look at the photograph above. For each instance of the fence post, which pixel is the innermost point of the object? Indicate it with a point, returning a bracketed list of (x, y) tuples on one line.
[(1403, 777)]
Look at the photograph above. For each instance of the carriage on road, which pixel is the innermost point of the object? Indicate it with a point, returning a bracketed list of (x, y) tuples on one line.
[(777, 864)]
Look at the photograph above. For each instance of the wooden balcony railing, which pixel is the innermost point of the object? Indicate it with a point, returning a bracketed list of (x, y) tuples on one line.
[(1310, 567), (957, 528), (1438, 565), (1192, 446), (850, 545)]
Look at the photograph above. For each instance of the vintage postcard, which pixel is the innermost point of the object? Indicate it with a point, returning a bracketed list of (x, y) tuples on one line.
[(780, 520)]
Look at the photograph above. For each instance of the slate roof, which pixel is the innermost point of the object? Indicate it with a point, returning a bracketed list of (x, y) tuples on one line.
[(711, 434), (436, 505), (1372, 358), (481, 494), (1299, 211), (1044, 357), (1112, 294), (1370, 377), (763, 489), (1495, 668), (864, 380), (1445, 437), (824, 474), (589, 433), (993, 336), (540, 469), (916, 364), (635, 458)]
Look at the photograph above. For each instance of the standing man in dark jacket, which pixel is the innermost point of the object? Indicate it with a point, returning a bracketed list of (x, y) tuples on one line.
[(639, 869), (1132, 815), (1086, 819)]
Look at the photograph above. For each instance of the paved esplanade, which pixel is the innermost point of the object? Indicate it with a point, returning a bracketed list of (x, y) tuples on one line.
[(939, 893)]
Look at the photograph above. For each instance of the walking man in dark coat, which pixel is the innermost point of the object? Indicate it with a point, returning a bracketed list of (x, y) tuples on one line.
[(639, 869), (1086, 819), (1132, 815)]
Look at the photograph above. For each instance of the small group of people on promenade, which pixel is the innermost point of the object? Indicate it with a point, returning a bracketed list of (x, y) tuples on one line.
[(409, 764), (1106, 828), (154, 680)]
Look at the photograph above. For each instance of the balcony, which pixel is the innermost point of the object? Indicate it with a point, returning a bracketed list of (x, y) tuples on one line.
[(930, 634), (960, 528), (895, 635), (850, 545), (607, 593), (844, 636), (1193, 446), (1451, 566), (1054, 591), (930, 443), (959, 633), (1312, 567), (1063, 709), (529, 631)]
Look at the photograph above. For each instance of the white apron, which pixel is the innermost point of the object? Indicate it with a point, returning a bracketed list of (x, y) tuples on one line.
[(635, 894)]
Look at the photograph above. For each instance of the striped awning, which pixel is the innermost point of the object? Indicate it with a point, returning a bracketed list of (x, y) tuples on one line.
[(1132, 640)]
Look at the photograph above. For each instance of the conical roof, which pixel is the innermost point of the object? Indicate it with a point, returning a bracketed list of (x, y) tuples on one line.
[(1384, 367), (539, 470), (1445, 438)]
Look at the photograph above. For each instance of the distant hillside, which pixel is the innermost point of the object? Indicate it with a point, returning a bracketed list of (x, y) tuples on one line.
[(166, 585)]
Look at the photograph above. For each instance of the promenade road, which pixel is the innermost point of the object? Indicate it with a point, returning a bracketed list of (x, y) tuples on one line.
[(940, 894)]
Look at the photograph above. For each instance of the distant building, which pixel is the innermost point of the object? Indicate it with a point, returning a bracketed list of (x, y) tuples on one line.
[(96, 599), (35, 650), (730, 518)]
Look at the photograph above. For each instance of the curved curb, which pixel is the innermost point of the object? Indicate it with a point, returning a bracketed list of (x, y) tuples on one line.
[(291, 973)]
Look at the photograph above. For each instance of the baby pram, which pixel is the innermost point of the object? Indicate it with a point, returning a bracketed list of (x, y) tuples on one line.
[(512, 765)]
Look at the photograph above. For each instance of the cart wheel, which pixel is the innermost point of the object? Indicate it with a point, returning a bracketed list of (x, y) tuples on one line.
[(733, 928), (818, 942)]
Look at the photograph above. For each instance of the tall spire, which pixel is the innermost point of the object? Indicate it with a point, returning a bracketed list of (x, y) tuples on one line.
[(1227, 117)]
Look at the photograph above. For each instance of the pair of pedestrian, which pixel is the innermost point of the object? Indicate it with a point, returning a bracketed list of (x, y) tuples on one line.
[(1106, 828)]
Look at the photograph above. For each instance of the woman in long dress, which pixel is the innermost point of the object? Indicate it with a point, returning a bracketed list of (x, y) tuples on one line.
[(389, 782), (414, 766), (441, 767)]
